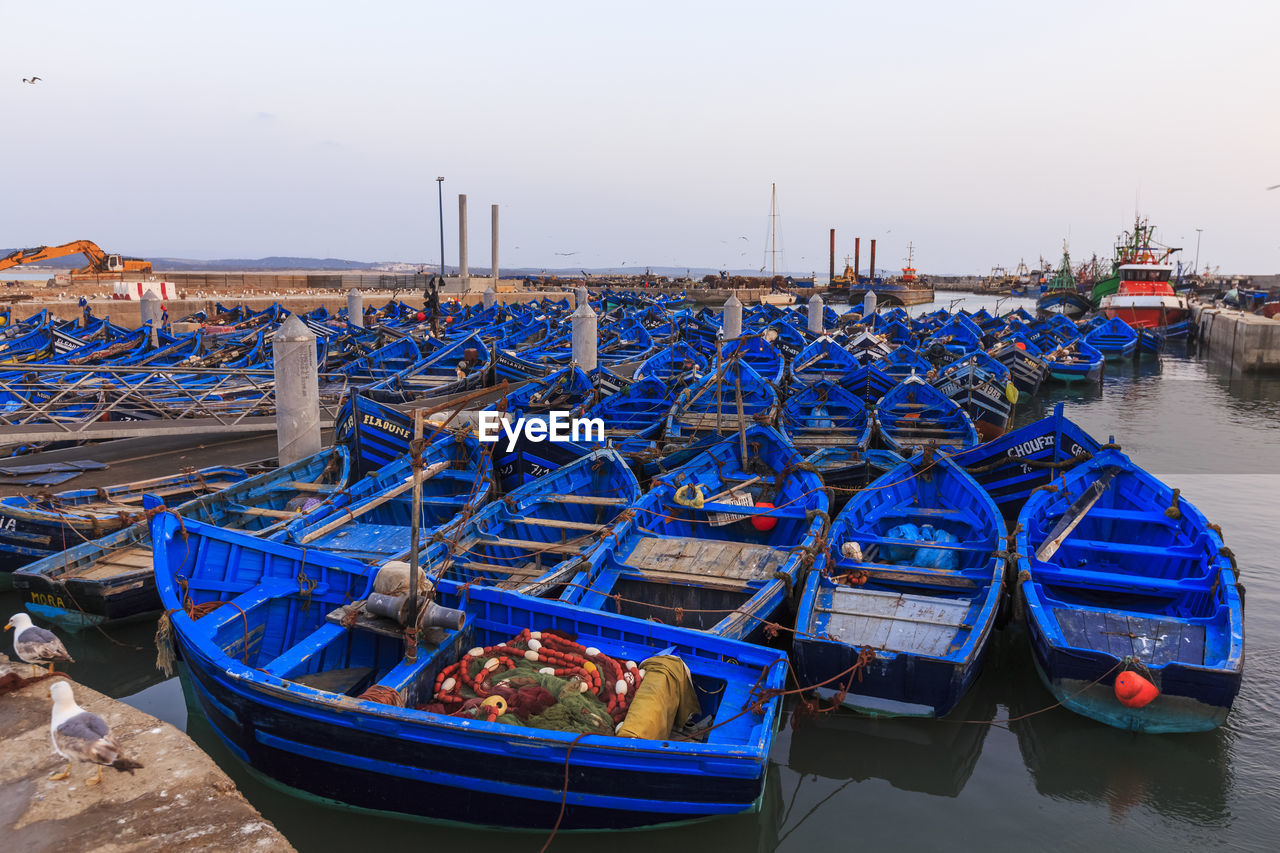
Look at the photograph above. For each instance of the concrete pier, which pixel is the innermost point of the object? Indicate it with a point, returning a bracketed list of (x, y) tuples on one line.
[(179, 800), (1248, 342)]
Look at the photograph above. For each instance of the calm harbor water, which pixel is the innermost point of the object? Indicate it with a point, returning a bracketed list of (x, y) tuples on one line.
[(976, 781)]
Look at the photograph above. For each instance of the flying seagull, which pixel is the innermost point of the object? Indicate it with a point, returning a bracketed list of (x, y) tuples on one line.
[(35, 645), (566, 254), (30, 80), (1274, 187), (81, 736)]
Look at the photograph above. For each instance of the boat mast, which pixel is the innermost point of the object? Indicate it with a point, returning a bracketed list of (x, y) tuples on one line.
[(773, 230)]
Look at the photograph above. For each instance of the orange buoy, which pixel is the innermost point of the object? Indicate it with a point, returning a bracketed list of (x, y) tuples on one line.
[(764, 523), (1134, 691)]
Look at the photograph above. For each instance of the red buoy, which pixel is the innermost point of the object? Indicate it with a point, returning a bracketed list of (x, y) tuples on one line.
[(1134, 691), (421, 316), (764, 523), (1020, 345)]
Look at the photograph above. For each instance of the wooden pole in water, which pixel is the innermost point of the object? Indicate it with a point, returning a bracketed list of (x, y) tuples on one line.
[(415, 520), (742, 427)]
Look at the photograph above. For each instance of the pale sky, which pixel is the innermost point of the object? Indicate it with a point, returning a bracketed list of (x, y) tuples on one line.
[(647, 133)]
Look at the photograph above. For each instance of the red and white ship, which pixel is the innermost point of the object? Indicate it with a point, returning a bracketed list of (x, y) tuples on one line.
[(1145, 299)]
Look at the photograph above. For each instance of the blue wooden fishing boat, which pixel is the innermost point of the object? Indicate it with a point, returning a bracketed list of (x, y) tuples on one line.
[(866, 346), (870, 383), (912, 590), (1011, 467), (901, 362), (824, 414), (110, 579), (712, 404), (1025, 363), (542, 532), (982, 387), (33, 527), (821, 360), (673, 364), (336, 710), (633, 418), (845, 470), (763, 358), (1115, 339), (369, 521), (1121, 576), (1068, 303), (915, 415), (1077, 361), (717, 544)]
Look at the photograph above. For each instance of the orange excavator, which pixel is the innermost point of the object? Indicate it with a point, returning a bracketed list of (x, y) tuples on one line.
[(99, 261)]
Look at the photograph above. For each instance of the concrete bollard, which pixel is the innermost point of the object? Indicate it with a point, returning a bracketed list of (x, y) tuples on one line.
[(149, 312), (581, 297), (815, 315), (355, 307), (297, 391), (732, 317), (869, 303), (585, 338), (490, 298)]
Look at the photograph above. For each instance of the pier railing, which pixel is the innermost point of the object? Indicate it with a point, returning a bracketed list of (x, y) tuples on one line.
[(52, 402)]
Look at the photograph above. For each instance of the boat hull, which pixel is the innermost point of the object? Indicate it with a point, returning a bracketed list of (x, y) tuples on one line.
[(891, 685), (1191, 699)]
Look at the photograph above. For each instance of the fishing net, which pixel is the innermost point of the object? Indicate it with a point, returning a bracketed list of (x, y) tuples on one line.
[(539, 679)]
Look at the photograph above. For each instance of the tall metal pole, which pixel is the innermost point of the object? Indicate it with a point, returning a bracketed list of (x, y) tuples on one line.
[(1196, 271), (440, 193)]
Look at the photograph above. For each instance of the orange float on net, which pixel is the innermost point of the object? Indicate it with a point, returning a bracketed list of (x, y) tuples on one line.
[(1134, 691), (764, 523)]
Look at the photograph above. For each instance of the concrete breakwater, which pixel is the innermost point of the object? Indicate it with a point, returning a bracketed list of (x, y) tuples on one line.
[(179, 800), (1248, 342)]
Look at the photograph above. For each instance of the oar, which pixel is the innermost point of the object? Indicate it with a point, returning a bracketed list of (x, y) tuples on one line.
[(1074, 515)]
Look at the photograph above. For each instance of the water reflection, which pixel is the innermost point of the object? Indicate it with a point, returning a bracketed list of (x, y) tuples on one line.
[(1070, 757), (927, 756)]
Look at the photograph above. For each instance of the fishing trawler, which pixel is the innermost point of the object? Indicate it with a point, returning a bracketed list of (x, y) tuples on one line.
[(1144, 297)]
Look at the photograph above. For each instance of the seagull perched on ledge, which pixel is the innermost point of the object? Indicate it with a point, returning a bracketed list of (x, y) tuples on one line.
[(36, 645), (81, 736)]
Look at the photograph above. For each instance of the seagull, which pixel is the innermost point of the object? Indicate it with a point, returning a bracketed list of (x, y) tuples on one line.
[(36, 645), (81, 736), (1274, 187), (30, 80), (744, 238), (566, 254)]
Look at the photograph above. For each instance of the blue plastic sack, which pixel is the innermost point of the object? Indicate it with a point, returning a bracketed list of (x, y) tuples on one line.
[(937, 558), (901, 553)]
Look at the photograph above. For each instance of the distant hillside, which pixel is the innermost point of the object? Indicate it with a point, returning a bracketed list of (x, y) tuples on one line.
[(258, 264)]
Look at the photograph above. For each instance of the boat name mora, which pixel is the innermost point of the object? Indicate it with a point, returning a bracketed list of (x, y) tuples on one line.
[(555, 426)]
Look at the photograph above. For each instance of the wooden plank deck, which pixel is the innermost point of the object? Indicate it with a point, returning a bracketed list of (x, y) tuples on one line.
[(1153, 641), (913, 624)]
